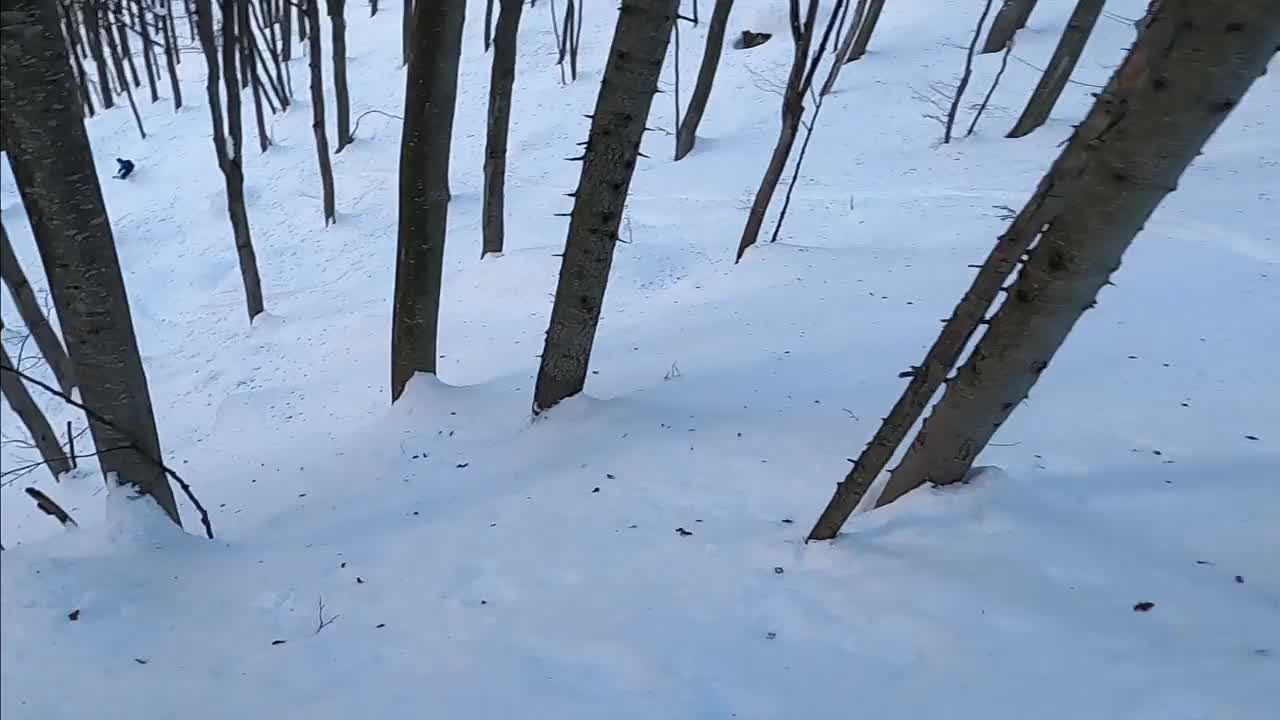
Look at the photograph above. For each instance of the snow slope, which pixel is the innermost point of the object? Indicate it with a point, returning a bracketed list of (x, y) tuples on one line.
[(477, 564)]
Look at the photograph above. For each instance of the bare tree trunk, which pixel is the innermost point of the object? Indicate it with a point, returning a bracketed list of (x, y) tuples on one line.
[(124, 81), (280, 85), (406, 30), (430, 97), (229, 163), (148, 57), (630, 81), (338, 23), (32, 417), (286, 33), (687, 133), (964, 76), (862, 38), (488, 24), (56, 177), (1190, 67), (93, 33), (122, 33), (501, 83), (24, 299), (846, 48), (1011, 18), (171, 57), (1056, 75), (78, 71), (798, 84), (246, 51), (264, 140), (315, 60), (373, 7)]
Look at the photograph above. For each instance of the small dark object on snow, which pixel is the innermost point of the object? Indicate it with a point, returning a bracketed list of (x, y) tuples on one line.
[(359, 580), (595, 490), (380, 625), (49, 507), (751, 39), (1240, 579), (1203, 562), (126, 168), (778, 571), (682, 532), (1250, 437), (771, 635), (462, 465), (788, 520), (74, 615), (141, 661), (1143, 606), (278, 642)]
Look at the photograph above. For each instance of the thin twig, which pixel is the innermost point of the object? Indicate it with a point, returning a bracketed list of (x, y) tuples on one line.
[(322, 621), (371, 112), (97, 417)]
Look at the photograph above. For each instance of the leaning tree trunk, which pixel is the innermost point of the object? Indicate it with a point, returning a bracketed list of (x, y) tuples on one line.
[(338, 23), (93, 35), (118, 63), (862, 38), (1011, 18), (501, 83), (431, 91), (1055, 77), (32, 417), (1189, 68), (56, 177), (286, 31), (630, 80), (846, 48), (171, 57), (230, 164), (148, 57), (687, 133), (315, 61), (406, 30), (122, 34), (24, 298)]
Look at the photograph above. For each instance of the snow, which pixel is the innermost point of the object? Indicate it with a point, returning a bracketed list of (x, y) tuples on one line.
[(475, 563)]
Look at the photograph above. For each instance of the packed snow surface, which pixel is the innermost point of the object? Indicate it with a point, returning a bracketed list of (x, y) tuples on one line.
[(638, 552)]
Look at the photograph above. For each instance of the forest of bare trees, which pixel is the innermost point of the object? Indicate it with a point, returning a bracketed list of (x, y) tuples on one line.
[(66, 61)]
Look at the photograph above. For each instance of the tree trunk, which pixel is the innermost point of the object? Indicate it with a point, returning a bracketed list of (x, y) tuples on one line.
[(264, 140), (406, 30), (24, 299), (430, 97), (868, 25), (1056, 75), (965, 76), (846, 48), (501, 83), (315, 61), (1011, 18), (171, 58), (630, 80), (246, 50), (232, 170), (32, 417), (54, 169), (114, 51), (267, 28), (1189, 68), (286, 32), (122, 33), (338, 23), (148, 57), (687, 133), (93, 34), (488, 24)]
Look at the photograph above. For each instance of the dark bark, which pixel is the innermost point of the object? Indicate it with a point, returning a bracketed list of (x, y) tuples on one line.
[(687, 133), (32, 417), (846, 47), (488, 24), (118, 63), (93, 34), (33, 316), (1011, 18), (862, 38), (286, 33), (148, 55), (171, 58), (1192, 65), (1058, 73), (501, 83), (1059, 190), (229, 163), (280, 85), (55, 175), (640, 41), (315, 61), (338, 23), (965, 76), (122, 34), (78, 72), (246, 51), (406, 30), (431, 91), (264, 140)]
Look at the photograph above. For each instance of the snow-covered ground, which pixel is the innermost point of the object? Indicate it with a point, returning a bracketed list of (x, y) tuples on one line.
[(638, 552)]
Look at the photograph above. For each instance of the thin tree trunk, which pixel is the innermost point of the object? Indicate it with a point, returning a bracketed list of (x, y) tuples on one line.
[(338, 24), (862, 38), (171, 58), (501, 84), (302, 20), (32, 417), (93, 33), (148, 57), (114, 51), (56, 177), (264, 140), (286, 33), (630, 81), (1190, 67), (277, 85), (232, 170), (846, 48), (430, 97), (964, 76), (122, 33), (315, 60), (24, 298), (406, 30), (1011, 18), (1056, 75), (488, 24), (373, 7), (687, 133), (246, 50)]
